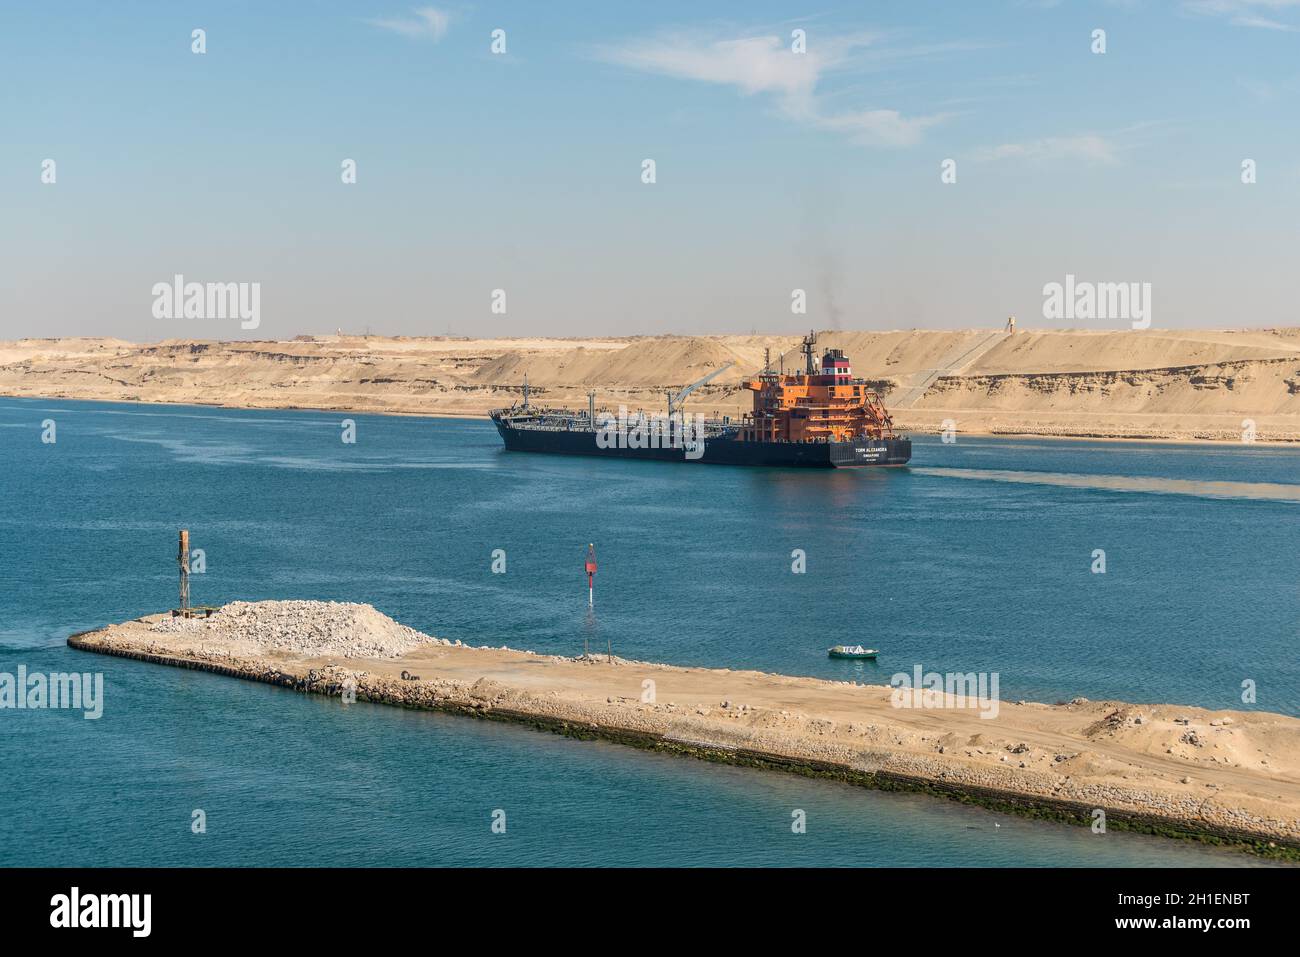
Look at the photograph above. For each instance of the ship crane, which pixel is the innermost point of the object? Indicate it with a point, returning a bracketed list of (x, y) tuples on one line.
[(675, 401)]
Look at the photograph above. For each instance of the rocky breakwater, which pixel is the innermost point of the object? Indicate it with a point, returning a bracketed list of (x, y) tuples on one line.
[(1229, 776)]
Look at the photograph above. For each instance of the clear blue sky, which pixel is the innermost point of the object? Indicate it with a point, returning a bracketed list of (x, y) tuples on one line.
[(522, 171)]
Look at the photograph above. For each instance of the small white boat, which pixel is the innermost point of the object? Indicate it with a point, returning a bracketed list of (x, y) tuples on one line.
[(852, 651)]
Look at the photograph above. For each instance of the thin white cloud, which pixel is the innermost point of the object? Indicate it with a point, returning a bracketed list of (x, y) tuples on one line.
[(1091, 147), (423, 22), (766, 65), (1258, 14), (888, 127), (1263, 23)]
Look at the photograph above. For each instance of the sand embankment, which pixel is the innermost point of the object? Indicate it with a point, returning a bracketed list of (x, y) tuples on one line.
[(1162, 768), (1163, 384)]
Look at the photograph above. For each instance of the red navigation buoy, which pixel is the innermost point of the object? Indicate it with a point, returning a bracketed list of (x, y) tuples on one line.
[(591, 574)]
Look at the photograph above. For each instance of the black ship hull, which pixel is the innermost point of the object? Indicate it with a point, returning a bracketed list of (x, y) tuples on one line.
[(724, 450)]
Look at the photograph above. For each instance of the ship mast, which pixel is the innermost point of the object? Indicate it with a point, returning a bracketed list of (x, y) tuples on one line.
[(809, 342)]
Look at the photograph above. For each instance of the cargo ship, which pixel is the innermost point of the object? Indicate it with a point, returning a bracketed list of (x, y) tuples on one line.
[(820, 417)]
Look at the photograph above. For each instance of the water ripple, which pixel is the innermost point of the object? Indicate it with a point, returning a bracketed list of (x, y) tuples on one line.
[(1260, 491)]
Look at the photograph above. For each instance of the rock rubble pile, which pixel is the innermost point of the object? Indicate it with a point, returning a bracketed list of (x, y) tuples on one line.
[(312, 628)]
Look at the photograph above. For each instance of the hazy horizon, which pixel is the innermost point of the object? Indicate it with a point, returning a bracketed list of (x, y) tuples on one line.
[(250, 337), (783, 162)]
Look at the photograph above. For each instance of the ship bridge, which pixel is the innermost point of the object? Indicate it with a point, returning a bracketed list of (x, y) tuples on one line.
[(821, 404)]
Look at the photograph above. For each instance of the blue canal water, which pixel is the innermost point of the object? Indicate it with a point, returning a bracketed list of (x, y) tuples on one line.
[(977, 558)]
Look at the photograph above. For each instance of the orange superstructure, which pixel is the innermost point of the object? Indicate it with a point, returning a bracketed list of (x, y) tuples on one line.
[(816, 405)]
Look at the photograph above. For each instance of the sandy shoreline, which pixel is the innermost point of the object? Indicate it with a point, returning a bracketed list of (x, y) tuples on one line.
[(1179, 385), (1083, 434), (1224, 776)]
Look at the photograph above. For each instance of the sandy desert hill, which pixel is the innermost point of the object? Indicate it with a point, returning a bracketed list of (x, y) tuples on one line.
[(1175, 384)]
